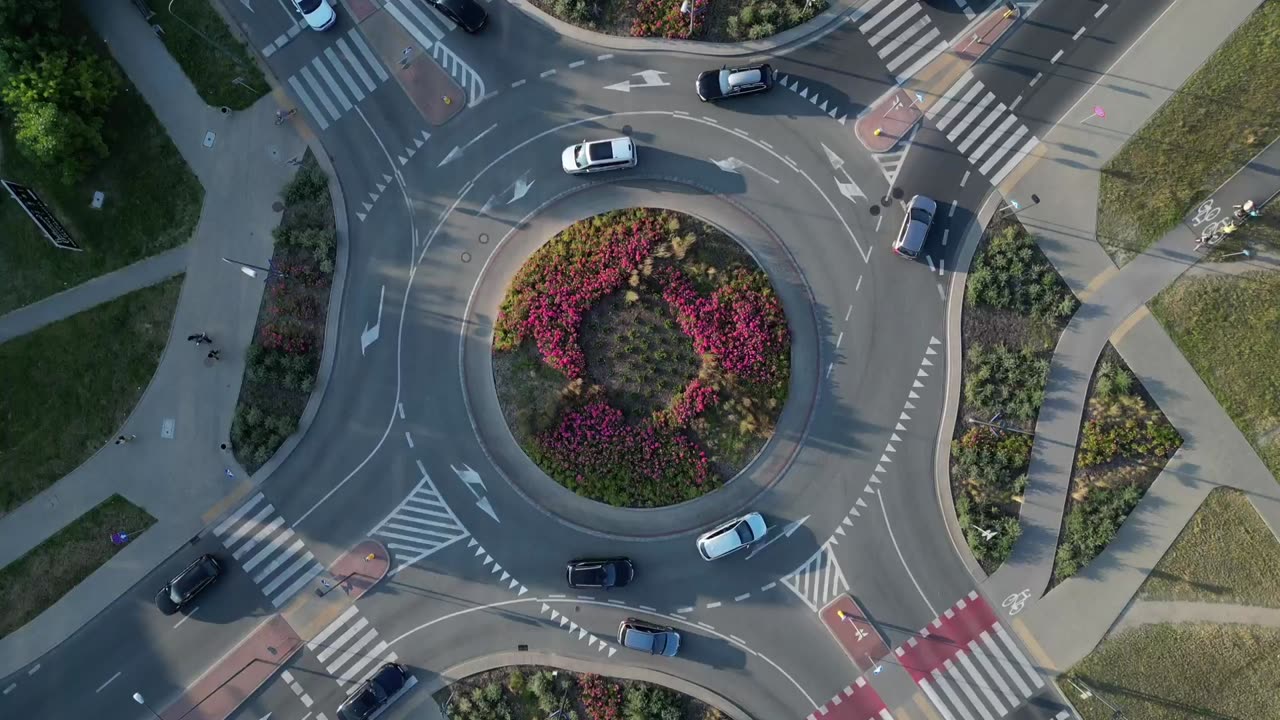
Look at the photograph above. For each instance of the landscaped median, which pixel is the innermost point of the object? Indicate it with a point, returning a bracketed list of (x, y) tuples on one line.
[(534, 693), (1015, 307), (712, 21), (33, 582), (288, 339), (641, 357), (1220, 118)]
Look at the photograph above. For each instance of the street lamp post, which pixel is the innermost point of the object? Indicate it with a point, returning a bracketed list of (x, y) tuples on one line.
[(137, 697), (1017, 208), (1242, 252), (250, 269)]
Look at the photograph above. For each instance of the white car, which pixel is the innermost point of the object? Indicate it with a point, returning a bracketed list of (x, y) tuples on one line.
[(317, 13), (599, 156), (731, 536)]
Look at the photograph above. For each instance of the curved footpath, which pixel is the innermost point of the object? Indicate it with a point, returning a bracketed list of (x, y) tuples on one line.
[(1068, 622), (240, 182)]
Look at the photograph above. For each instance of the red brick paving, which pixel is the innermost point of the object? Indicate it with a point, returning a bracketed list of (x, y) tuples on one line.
[(238, 674)]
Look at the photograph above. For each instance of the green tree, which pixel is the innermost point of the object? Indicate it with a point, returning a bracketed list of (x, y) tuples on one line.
[(69, 75), (63, 141)]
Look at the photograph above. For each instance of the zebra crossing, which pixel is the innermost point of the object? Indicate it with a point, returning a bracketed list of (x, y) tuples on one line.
[(818, 579), (420, 525), (968, 665), (346, 647), (428, 34), (270, 553), (984, 130), (901, 34)]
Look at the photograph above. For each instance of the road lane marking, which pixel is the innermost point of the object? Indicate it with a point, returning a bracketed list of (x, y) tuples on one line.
[(104, 685), (1078, 33), (885, 512), (714, 605), (547, 73), (186, 617), (1055, 57), (1101, 10), (741, 597), (604, 57), (577, 63)]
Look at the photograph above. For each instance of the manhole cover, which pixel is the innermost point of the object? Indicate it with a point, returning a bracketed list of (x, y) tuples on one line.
[(466, 257), (277, 206), (484, 238), (874, 210)]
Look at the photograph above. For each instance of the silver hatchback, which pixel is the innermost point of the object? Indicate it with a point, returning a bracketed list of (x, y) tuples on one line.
[(915, 226)]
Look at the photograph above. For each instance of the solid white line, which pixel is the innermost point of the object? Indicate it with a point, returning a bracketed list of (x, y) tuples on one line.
[(577, 63), (1078, 33), (186, 617), (108, 682), (899, 551), (1101, 10), (1055, 57)]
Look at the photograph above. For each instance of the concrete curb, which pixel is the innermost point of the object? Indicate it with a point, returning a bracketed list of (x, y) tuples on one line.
[(794, 36), (498, 660), (951, 406)]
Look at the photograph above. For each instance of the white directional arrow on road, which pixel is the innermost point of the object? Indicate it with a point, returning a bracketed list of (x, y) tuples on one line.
[(250, 9), (652, 78), (848, 187), (521, 187), (786, 533), (456, 152), (370, 334), (732, 164), (471, 478), (484, 209)]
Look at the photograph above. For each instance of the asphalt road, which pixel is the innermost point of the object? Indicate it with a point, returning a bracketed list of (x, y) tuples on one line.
[(437, 228)]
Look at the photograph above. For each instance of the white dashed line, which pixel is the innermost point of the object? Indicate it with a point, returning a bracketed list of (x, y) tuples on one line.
[(964, 179), (772, 585), (518, 83), (617, 602), (856, 288), (1078, 33), (676, 615), (1035, 79), (11, 688), (765, 144), (847, 313), (408, 438), (713, 121), (742, 597), (34, 669), (400, 407), (547, 73), (104, 685), (577, 64), (1055, 57), (646, 608), (604, 57), (1014, 105), (686, 610), (737, 639), (840, 339), (557, 596), (945, 233), (953, 208), (714, 605), (1101, 10)]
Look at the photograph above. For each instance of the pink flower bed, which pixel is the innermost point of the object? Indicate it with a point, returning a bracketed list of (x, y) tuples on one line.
[(662, 18), (601, 698), (741, 324)]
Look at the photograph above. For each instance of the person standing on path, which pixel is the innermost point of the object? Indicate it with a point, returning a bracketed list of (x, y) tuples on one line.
[(122, 439), (213, 355), (200, 338)]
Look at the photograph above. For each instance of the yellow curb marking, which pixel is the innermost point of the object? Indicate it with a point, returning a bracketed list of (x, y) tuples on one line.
[(237, 494), (1138, 316), (1041, 656), (1097, 282)]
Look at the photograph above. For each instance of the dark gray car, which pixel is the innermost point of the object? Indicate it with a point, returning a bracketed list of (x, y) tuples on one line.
[(374, 693), (188, 584)]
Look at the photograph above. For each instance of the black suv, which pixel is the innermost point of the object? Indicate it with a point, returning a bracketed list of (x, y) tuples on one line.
[(189, 583)]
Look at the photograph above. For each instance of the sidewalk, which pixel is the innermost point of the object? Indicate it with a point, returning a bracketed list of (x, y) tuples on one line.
[(180, 479), (1065, 228), (1147, 612)]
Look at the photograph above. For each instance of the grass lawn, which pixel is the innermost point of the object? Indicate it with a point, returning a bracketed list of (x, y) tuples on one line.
[(214, 61), (1225, 554), (152, 204), (1179, 672), (1221, 117), (33, 582), (1226, 327), (80, 378)]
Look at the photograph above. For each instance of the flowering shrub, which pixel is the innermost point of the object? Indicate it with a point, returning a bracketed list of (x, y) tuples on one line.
[(601, 697), (741, 324), (691, 403), (595, 453), (662, 18)]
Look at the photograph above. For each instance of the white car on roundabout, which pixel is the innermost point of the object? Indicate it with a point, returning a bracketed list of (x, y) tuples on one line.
[(732, 536)]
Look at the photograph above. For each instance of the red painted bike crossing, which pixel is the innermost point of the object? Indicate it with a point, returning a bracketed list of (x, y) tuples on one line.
[(858, 701)]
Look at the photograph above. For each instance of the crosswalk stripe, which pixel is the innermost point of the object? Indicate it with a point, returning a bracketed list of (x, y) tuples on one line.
[(954, 673), (356, 668), (980, 681), (278, 561), (1003, 150), (951, 94), (355, 63), (331, 628), (247, 526), (995, 135), (352, 652), (977, 109), (937, 701), (319, 92), (290, 591), (885, 12), (1004, 663), (431, 26), (929, 39), (423, 41), (979, 653), (305, 97), (1018, 157), (1017, 654), (369, 57), (235, 516), (253, 541), (342, 73), (334, 88), (890, 43), (275, 544), (288, 573), (959, 108), (951, 695), (342, 639), (985, 124)]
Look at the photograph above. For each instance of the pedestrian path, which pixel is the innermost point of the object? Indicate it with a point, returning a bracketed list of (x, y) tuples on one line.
[(819, 579), (420, 525), (901, 34), (275, 558), (348, 646), (984, 130), (968, 665)]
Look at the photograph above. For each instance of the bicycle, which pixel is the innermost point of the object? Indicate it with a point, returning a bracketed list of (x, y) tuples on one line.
[(282, 115), (1246, 211), (1212, 236)]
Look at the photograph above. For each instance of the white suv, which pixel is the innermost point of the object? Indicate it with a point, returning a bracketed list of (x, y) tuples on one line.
[(599, 156), (731, 536)]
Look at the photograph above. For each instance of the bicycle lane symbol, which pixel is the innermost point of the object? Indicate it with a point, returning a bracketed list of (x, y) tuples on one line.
[(1016, 601)]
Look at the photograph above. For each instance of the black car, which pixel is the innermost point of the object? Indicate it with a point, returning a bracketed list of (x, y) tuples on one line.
[(647, 637), (730, 82), (374, 693), (182, 589), (614, 572), (467, 13)]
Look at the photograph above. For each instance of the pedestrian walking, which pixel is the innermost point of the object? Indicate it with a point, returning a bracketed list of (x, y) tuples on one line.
[(213, 354), (198, 338), (122, 439), (404, 56)]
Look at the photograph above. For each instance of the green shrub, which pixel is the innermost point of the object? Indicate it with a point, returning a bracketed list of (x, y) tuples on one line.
[(1011, 273), (1091, 525), (1001, 380), (649, 702)]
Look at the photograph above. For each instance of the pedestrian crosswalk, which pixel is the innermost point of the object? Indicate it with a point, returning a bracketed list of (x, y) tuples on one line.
[(276, 559), (968, 665), (819, 579), (426, 29), (420, 525), (901, 34), (984, 130), (348, 647)]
